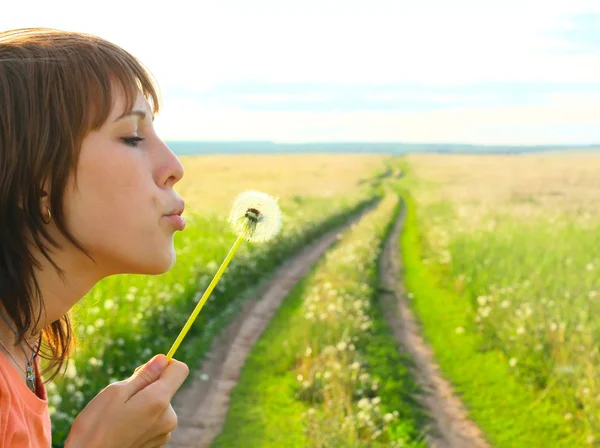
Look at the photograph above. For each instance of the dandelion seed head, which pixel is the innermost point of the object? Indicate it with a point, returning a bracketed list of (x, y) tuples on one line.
[(255, 215)]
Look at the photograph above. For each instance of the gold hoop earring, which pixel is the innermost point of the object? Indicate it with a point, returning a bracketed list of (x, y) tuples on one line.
[(49, 217)]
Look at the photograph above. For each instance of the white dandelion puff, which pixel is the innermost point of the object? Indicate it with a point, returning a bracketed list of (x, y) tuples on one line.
[(256, 215)]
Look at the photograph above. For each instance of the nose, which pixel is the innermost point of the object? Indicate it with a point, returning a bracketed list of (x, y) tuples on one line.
[(173, 168)]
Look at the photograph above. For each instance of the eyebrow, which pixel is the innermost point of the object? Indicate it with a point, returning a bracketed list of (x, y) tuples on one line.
[(139, 113)]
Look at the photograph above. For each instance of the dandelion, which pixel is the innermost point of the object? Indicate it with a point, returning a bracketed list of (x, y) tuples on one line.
[(255, 217), (512, 362), (568, 416), (460, 330)]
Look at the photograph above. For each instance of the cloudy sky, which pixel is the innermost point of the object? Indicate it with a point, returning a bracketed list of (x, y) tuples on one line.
[(460, 71)]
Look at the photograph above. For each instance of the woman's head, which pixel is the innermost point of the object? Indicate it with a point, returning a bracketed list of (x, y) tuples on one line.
[(85, 182)]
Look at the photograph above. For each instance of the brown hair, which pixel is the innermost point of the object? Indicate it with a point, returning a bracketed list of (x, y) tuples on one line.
[(55, 87)]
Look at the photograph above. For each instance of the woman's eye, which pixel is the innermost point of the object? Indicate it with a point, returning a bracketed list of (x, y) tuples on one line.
[(132, 141)]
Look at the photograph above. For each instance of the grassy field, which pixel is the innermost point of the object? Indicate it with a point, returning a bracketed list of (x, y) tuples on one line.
[(127, 319), (327, 368), (502, 258)]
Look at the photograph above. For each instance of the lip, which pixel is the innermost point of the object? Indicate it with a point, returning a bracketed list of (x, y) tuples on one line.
[(178, 209), (177, 220)]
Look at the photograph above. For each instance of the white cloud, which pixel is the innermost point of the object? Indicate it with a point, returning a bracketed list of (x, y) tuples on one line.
[(498, 125), (196, 45)]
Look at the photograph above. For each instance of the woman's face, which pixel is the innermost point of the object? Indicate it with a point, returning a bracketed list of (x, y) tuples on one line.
[(119, 210)]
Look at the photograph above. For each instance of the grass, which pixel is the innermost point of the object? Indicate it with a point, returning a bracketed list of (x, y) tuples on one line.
[(502, 273), (126, 319), (327, 368)]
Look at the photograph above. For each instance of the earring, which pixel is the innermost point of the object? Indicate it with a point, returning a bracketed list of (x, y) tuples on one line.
[(49, 217)]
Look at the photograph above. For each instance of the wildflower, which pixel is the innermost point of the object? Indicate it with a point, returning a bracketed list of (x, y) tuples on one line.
[(109, 304), (512, 362), (256, 215), (71, 371), (460, 330)]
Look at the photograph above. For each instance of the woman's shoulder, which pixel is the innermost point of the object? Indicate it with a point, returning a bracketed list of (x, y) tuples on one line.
[(24, 417)]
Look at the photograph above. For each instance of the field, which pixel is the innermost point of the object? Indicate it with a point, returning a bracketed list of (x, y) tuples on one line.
[(507, 286), (500, 260), (127, 319)]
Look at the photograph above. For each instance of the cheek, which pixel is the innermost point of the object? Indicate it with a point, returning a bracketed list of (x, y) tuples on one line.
[(115, 201)]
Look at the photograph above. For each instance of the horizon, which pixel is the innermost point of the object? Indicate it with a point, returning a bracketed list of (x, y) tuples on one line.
[(329, 71)]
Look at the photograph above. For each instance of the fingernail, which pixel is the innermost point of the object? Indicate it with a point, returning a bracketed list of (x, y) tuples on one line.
[(158, 363)]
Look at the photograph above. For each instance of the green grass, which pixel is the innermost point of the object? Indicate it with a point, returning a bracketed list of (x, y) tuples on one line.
[(282, 382), (510, 412), (127, 319)]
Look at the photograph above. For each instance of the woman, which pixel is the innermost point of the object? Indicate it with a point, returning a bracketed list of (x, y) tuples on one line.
[(86, 191)]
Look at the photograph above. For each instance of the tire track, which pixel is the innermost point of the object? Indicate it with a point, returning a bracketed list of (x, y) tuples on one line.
[(450, 426)]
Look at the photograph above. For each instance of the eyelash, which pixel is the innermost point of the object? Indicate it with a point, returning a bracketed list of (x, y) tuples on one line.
[(133, 141)]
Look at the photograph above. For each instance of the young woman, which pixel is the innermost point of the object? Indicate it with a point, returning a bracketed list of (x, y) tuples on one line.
[(86, 191)]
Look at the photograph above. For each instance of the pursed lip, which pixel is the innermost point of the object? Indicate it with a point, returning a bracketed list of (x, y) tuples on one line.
[(178, 209)]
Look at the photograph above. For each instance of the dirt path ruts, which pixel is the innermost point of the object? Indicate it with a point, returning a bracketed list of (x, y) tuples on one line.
[(202, 406), (450, 428)]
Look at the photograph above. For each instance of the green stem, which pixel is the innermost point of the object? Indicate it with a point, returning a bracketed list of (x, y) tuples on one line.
[(204, 298)]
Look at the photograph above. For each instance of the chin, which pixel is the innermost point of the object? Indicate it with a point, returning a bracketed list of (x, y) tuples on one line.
[(156, 265)]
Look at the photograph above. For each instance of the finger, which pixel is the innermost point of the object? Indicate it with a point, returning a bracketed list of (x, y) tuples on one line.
[(165, 426), (170, 381), (158, 441), (147, 374)]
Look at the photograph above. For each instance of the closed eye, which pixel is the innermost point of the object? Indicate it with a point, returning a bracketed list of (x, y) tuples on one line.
[(132, 141)]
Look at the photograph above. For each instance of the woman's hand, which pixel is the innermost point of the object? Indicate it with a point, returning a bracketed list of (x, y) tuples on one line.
[(134, 413)]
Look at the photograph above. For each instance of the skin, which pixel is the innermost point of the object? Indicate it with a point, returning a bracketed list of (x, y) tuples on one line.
[(117, 211)]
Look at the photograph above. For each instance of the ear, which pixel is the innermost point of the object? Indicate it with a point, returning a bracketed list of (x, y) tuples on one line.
[(45, 197)]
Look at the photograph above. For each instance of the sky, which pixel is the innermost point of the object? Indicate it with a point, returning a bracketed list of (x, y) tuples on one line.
[(462, 71)]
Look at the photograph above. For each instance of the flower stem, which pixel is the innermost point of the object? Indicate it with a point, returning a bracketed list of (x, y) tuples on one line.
[(204, 298)]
